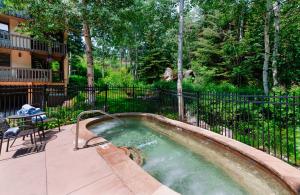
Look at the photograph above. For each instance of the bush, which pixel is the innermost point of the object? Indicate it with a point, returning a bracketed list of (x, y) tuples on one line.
[(77, 81), (119, 78), (295, 89), (188, 85), (79, 67)]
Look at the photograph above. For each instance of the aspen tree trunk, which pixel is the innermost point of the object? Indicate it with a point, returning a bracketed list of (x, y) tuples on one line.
[(130, 58), (89, 57), (276, 8), (103, 61), (244, 7), (66, 62), (121, 56), (267, 46), (180, 75), (241, 27), (136, 64), (136, 57), (126, 58)]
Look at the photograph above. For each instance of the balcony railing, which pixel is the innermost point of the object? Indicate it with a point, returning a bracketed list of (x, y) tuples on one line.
[(8, 74), (18, 42)]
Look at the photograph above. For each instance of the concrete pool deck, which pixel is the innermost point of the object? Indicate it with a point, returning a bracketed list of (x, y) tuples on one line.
[(102, 168), (58, 170)]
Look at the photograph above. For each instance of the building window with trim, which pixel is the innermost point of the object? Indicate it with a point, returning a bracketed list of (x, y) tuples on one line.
[(4, 27), (4, 34)]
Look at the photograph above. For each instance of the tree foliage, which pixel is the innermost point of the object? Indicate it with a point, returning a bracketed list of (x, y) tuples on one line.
[(230, 42), (224, 41)]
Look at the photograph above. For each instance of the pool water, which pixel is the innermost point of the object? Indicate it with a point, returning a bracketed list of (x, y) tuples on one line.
[(173, 164)]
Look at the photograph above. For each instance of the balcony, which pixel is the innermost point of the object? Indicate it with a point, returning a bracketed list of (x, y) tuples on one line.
[(8, 74), (18, 42)]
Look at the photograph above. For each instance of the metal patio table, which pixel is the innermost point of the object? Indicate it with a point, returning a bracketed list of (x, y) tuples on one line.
[(29, 127)]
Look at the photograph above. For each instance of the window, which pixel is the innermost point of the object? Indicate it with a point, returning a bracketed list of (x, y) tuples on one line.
[(3, 27), (4, 60), (4, 34)]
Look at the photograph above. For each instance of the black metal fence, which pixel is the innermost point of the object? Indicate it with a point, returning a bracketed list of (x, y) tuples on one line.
[(269, 123)]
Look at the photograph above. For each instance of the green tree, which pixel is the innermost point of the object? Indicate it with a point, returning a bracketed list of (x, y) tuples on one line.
[(153, 65)]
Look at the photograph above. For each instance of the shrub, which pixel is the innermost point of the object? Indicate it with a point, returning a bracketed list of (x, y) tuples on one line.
[(118, 78), (188, 85), (295, 89), (77, 81)]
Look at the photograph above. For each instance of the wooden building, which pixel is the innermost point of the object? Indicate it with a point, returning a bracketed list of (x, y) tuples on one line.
[(26, 61)]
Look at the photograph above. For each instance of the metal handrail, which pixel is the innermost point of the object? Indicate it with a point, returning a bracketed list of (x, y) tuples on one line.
[(89, 112)]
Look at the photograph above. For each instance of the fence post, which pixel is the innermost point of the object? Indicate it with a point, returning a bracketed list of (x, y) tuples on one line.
[(159, 101), (198, 104), (44, 98), (105, 101), (29, 95)]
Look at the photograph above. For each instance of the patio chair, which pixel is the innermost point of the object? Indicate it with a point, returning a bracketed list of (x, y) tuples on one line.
[(47, 120), (23, 131), (42, 128)]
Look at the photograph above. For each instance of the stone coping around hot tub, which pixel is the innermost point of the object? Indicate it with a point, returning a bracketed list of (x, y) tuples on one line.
[(131, 174), (286, 173)]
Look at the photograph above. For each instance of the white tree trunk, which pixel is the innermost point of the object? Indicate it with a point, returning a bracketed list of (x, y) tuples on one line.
[(136, 57), (136, 64), (276, 8), (241, 28), (267, 46), (103, 61), (180, 51), (121, 56), (244, 7), (89, 57)]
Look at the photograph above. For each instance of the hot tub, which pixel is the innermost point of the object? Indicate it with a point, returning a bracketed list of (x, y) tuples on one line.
[(191, 160)]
